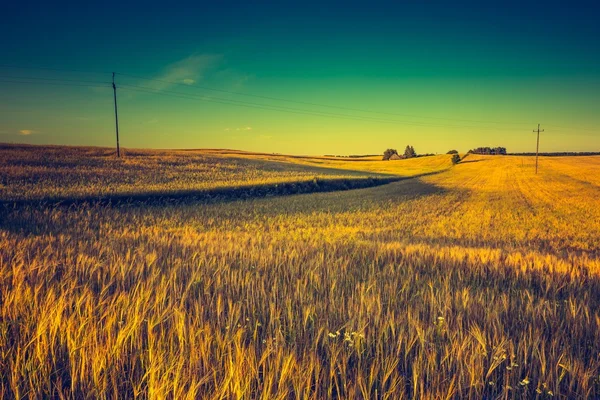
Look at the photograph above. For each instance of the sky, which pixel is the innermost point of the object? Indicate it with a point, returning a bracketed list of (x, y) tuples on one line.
[(303, 77)]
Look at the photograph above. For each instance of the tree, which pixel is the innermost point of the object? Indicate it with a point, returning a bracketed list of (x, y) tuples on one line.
[(455, 159), (388, 153), (452, 152), (409, 152)]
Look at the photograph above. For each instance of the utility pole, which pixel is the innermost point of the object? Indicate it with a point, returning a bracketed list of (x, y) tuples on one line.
[(537, 149), (116, 115)]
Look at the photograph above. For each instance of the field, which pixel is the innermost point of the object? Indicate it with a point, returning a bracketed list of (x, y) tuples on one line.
[(480, 280), (63, 173)]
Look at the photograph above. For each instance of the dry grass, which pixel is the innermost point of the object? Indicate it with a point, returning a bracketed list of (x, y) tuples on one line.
[(404, 168), (29, 173), (478, 282), (65, 173)]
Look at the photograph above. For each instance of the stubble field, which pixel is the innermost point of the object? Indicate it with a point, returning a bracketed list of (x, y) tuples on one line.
[(479, 280)]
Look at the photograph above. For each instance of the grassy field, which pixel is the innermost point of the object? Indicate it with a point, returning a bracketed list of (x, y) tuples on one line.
[(405, 168), (62, 173), (479, 281)]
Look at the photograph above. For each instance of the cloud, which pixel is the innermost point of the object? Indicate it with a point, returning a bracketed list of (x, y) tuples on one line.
[(26, 132), (226, 129), (246, 128), (187, 71), (231, 79)]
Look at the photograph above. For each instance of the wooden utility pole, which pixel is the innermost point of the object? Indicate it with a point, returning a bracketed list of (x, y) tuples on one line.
[(116, 115), (537, 149)]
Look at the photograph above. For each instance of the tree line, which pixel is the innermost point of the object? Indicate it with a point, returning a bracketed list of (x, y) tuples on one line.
[(488, 150)]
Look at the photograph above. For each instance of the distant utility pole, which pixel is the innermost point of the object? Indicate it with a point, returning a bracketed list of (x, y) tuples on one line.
[(537, 149), (116, 114)]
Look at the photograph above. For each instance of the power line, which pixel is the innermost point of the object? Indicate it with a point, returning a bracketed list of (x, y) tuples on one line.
[(242, 104), (285, 109), (317, 104), (53, 69), (415, 123), (76, 83), (51, 79), (573, 128), (254, 105), (54, 83), (292, 110), (86, 83)]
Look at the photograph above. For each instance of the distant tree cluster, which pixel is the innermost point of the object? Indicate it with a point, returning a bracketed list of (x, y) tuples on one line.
[(389, 153), (452, 152), (489, 150), (392, 154), (409, 152)]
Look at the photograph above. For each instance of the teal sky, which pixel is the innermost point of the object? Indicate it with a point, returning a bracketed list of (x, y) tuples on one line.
[(437, 76)]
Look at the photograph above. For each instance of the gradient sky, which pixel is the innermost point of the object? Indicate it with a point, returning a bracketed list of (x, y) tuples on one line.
[(436, 75)]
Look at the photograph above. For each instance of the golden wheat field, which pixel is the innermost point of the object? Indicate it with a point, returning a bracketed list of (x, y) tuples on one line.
[(479, 280), (54, 172)]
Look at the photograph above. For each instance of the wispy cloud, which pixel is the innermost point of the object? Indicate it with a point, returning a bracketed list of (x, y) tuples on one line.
[(231, 79), (244, 128), (188, 71), (26, 132)]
